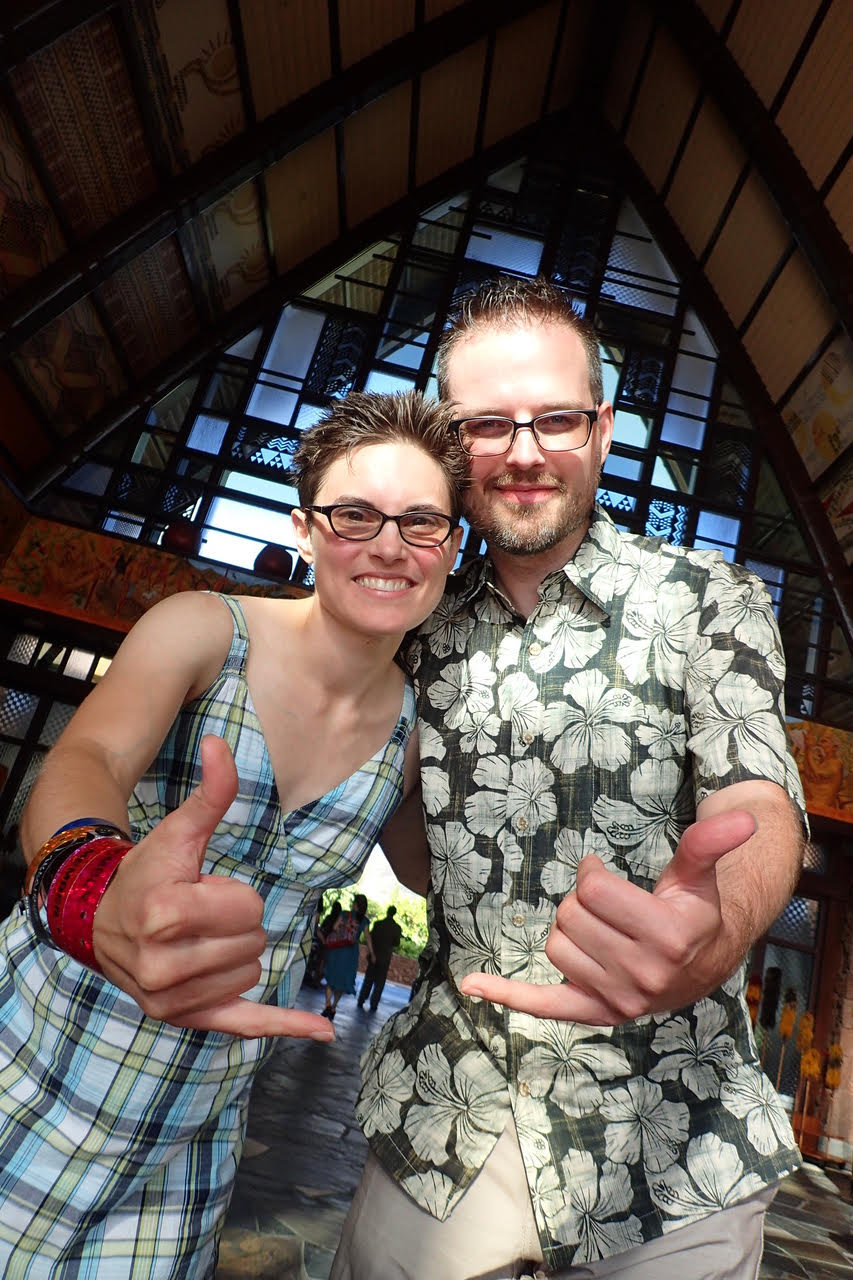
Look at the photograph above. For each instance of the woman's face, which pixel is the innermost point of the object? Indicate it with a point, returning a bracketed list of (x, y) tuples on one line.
[(383, 586)]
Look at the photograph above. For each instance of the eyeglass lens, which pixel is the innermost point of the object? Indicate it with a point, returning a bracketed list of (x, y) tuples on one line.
[(420, 528), (553, 431)]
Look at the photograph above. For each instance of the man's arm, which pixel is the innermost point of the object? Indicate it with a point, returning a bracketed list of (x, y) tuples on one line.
[(625, 952)]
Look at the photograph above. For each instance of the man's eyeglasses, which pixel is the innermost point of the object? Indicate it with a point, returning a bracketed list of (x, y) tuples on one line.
[(558, 432), (360, 524)]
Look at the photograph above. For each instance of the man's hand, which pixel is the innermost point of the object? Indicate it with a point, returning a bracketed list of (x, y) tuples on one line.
[(626, 952), (183, 944)]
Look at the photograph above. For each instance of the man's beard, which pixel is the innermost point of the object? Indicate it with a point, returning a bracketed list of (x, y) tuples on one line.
[(526, 530)]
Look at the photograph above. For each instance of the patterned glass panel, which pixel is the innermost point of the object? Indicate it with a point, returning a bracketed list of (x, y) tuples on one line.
[(16, 711), (796, 970), (22, 648), (23, 793), (815, 859), (797, 923), (57, 718)]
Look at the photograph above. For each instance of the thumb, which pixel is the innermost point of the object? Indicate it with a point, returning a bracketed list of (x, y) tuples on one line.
[(191, 825), (702, 846)]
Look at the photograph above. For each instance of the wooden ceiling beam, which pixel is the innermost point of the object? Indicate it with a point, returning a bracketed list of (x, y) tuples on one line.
[(241, 159), (26, 26), (768, 150), (265, 304)]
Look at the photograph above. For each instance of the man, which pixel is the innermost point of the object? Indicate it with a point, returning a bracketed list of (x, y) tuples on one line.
[(386, 935), (585, 696)]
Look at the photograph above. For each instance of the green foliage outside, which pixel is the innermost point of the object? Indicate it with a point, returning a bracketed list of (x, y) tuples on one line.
[(411, 914)]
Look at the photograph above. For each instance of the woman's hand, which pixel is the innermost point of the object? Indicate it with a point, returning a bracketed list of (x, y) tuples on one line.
[(184, 945)]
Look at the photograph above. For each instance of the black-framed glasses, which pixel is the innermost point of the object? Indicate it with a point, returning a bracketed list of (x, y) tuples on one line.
[(561, 431), (358, 523)]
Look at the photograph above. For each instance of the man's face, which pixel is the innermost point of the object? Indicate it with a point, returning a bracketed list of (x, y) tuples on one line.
[(528, 500)]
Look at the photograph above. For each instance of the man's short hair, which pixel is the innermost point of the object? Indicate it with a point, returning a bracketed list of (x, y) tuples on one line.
[(509, 302)]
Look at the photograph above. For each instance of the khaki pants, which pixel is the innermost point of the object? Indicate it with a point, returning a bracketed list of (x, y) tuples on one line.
[(491, 1235)]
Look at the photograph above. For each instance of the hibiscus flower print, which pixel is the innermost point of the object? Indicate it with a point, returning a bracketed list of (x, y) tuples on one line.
[(530, 797), (533, 1128), (745, 613), (643, 1126), (391, 1085), (457, 1103), (566, 1062), (477, 936), (446, 630), (664, 733), (434, 1191), (525, 932), (458, 872), (596, 1216), (700, 1060), (660, 633), (739, 720), (753, 1099), (485, 809), (464, 688), (559, 876), (651, 827), (520, 705), (570, 636), (713, 1179), (478, 731), (589, 731)]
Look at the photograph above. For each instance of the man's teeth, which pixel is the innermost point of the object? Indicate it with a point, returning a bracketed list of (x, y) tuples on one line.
[(384, 584)]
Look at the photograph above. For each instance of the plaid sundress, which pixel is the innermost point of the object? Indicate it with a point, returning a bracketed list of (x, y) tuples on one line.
[(120, 1135)]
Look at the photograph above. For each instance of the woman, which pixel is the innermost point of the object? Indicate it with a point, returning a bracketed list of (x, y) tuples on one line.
[(126, 1064), (342, 951)]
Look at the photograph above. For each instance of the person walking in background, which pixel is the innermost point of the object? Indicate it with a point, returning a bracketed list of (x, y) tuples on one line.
[(315, 965), (385, 936), (342, 952)]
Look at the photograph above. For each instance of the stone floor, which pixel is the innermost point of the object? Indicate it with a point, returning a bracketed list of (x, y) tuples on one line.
[(304, 1153)]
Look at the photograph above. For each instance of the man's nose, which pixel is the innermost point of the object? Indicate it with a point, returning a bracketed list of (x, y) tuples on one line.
[(525, 450)]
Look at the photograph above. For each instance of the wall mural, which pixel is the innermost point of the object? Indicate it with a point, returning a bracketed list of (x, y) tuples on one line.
[(824, 757), (106, 581)]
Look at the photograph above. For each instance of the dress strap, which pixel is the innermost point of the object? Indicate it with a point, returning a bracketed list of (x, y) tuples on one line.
[(236, 659)]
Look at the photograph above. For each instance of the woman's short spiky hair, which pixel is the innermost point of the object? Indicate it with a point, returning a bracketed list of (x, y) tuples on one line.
[(365, 418), (509, 302)]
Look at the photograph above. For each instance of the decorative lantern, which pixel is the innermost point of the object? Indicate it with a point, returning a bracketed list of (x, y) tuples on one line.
[(786, 1027), (273, 561), (181, 537)]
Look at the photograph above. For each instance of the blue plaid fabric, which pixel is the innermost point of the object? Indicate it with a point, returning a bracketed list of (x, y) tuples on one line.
[(119, 1135)]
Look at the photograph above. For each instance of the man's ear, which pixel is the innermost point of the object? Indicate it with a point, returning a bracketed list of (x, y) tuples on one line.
[(302, 529), (605, 427)]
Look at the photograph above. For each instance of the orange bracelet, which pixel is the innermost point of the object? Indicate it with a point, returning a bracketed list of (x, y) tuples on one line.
[(70, 837)]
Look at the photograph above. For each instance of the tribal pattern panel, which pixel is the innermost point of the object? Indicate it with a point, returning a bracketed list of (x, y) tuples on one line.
[(29, 233)]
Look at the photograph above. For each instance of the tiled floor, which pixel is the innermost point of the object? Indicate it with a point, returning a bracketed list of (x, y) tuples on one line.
[(304, 1154)]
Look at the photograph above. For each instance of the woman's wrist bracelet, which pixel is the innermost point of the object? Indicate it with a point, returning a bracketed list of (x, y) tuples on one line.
[(70, 837), (75, 894)]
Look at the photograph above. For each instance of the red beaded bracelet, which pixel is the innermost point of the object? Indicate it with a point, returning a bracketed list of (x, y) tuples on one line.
[(76, 892)]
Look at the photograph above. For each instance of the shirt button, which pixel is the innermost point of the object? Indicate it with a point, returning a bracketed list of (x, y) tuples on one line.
[(518, 920), (527, 738), (522, 824), (524, 1088), (535, 649)]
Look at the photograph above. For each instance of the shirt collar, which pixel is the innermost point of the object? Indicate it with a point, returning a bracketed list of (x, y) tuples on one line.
[(592, 569)]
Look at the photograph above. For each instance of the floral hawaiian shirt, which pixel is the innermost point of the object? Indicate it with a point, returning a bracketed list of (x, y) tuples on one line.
[(648, 677)]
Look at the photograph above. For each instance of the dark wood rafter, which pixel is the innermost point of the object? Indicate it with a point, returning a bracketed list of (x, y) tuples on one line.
[(268, 301), (185, 197), (769, 151), (27, 27), (157, 151), (248, 99), (774, 435)]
